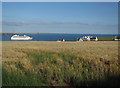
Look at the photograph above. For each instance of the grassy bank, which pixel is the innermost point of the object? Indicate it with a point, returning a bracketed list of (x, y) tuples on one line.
[(105, 38), (60, 64)]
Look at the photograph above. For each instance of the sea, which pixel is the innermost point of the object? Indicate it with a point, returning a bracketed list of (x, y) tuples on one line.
[(54, 37)]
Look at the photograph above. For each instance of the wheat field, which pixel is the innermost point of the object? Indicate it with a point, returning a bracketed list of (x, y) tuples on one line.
[(59, 63)]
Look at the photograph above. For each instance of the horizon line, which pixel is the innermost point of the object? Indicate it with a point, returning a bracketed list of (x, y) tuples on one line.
[(60, 1), (54, 33)]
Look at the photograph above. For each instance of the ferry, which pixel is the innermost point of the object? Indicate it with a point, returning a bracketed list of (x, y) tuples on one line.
[(17, 37)]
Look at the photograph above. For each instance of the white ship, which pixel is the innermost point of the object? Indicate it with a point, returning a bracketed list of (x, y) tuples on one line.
[(17, 37)]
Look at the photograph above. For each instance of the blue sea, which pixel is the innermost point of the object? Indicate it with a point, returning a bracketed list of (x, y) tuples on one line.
[(54, 37)]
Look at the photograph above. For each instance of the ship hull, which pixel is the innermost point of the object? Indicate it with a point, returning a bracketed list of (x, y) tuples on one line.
[(21, 38)]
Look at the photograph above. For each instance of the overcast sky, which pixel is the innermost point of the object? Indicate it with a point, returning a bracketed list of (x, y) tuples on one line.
[(60, 17)]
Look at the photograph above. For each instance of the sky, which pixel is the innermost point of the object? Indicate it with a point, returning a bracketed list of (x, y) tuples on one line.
[(60, 17)]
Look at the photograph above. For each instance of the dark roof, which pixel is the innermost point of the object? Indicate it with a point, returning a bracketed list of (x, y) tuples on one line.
[(117, 37), (93, 38)]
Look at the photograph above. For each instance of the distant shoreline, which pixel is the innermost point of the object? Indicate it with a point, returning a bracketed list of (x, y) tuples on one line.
[(23, 33), (49, 33)]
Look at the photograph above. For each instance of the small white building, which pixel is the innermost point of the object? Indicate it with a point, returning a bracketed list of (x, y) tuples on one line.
[(60, 40), (94, 39), (117, 38)]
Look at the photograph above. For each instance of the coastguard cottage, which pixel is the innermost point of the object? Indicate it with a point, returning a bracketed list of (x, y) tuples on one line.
[(87, 38)]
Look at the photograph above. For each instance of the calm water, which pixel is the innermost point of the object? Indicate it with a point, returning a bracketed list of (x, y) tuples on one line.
[(54, 37)]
